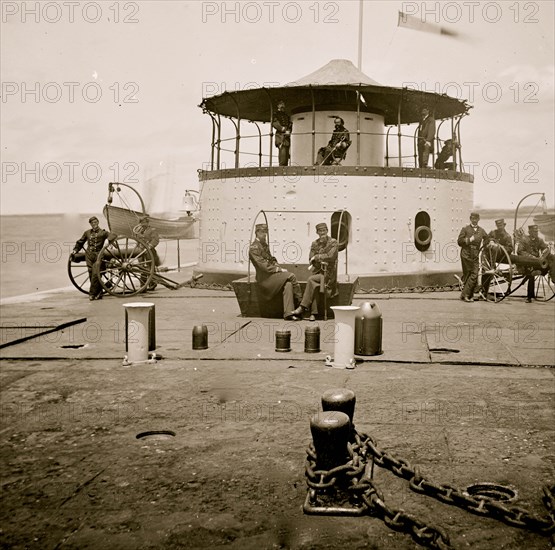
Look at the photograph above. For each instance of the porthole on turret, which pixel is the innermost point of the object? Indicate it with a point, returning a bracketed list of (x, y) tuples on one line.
[(422, 231), (340, 227)]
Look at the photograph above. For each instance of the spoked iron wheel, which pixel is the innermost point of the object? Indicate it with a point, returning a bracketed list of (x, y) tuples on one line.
[(544, 288), (126, 267), (497, 273), (78, 272)]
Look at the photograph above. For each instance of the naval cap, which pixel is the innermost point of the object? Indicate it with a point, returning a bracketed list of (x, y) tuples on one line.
[(93, 218), (261, 227), (532, 227), (500, 222), (475, 215), (321, 226)]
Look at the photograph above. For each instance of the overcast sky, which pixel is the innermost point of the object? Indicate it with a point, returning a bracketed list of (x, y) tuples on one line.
[(102, 91)]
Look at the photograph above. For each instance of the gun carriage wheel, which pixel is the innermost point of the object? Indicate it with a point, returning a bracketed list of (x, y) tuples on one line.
[(544, 288), (495, 272), (78, 272), (126, 267)]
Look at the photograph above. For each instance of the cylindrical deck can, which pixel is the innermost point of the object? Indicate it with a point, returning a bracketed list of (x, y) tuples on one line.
[(312, 339), (200, 337), (283, 340)]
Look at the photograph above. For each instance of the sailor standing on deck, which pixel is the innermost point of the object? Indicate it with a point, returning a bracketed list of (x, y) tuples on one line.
[(470, 240), (270, 277), (323, 261), (96, 241)]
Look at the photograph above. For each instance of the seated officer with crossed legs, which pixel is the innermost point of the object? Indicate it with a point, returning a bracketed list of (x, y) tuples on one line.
[(270, 277), (323, 261)]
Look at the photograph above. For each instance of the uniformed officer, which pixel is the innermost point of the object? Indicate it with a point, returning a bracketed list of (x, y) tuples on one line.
[(323, 261), (470, 240), (95, 238), (500, 236), (533, 246), (149, 235), (270, 277), (496, 238), (283, 126)]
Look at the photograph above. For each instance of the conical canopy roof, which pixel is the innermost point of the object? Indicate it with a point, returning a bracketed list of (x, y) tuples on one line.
[(332, 86), (338, 72)]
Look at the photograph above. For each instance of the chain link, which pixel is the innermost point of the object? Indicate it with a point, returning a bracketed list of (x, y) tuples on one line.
[(358, 290), (407, 289), (355, 476), (482, 506)]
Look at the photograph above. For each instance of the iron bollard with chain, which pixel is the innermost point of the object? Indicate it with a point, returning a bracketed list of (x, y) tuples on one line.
[(348, 489)]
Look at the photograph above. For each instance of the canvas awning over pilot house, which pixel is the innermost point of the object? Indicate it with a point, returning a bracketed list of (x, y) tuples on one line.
[(335, 83), (337, 87)]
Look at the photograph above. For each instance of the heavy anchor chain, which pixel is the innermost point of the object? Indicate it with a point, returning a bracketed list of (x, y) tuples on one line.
[(354, 478), (359, 290), (407, 289), (482, 505), (398, 520), (351, 485), (340, 469)]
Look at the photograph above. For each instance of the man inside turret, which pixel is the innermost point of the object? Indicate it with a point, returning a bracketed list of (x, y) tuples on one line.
[(443, 156), (282, 124), (336, 149), (426, 134)]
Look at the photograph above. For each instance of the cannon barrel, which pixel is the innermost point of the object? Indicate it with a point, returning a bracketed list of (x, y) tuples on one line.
[(527, 261)]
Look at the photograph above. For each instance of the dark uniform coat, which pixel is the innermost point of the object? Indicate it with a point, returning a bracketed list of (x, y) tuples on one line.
[(531, 247), (95, 242), (150, 236), (325, 250), (282, 123), (427, 131), (269, 276), (470, 250), (500, 236), (535, 247)]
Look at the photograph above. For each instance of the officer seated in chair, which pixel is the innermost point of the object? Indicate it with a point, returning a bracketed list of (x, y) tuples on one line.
[(447, 150), (336, 149)]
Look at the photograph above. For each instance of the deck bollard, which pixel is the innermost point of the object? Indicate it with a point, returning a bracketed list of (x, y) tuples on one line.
[(340, 399), (312, 339), (344, 349), (283, 340), (137, 333), (330, 435), (368, 330), (200, 337), (151, 328)]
